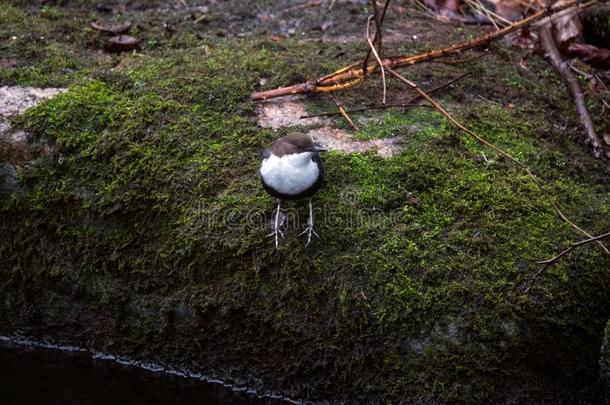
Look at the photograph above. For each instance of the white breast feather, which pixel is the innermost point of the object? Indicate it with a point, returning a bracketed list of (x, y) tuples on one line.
[(290, 174)]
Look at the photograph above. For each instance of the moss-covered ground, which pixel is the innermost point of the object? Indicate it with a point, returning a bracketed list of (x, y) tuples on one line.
[(145, 233)]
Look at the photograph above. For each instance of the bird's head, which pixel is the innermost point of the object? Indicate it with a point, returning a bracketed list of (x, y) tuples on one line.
[(296, 143)]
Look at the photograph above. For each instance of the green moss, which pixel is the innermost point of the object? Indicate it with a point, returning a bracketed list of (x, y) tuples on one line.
[(152, 212), (35, 46), (415, 122)]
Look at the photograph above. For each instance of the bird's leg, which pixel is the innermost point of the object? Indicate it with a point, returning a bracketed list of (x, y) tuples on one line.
[(277, 224), (309, 230)]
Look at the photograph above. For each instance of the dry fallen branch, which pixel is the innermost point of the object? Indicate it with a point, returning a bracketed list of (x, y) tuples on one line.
[(552, 261), (342, 111), (378, 40), (561, 66), (376, 54), (353, 74), (411, 103)]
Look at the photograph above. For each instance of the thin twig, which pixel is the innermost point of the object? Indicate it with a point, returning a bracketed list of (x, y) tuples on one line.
[(457, 124), (462, 61), (375, 16), (342, 111), (372, 48), (554, 57), (600, 82), (200, 18), (537, 182), (489, 101), (492, 16), (585, 75), (534, 278), (549, 262), (573, 225), (552, 260), (572, 8), (378, 40), (411, 103), (364, 109), (422, 11)]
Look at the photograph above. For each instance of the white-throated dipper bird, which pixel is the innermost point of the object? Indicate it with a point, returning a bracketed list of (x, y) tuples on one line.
[(291, 169)]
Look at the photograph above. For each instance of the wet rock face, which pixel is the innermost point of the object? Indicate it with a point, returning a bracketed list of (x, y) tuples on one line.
[(8, 178), (15, 147)]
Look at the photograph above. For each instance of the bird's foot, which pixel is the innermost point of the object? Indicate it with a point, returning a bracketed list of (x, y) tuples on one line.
[(277, 227), (277, 234), (309, 231)]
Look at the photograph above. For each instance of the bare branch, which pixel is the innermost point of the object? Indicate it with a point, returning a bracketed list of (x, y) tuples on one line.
[(411, 103), (342, 111), (372, 48), (561, 66), (378, 40), (353, 74), (551, 261)]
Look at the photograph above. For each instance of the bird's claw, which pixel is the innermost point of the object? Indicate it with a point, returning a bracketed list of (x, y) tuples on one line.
[(309, 231), (277, 225), (277, 234)]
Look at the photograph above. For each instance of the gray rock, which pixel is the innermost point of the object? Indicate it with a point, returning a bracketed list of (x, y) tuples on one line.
[(8, 179)]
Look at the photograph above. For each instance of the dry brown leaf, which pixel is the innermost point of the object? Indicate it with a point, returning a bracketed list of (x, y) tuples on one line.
[(597, 57), (112, 29), (122, 43)]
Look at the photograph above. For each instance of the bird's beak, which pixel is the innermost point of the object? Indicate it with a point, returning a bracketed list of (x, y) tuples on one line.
[(318, 147)]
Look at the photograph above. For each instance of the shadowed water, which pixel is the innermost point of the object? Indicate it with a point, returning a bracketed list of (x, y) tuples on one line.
[(35, 375)]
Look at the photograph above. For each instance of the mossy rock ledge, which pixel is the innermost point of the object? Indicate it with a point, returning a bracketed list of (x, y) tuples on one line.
[(143, 233)]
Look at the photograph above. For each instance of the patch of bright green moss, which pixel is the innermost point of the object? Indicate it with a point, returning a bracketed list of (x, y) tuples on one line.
[(414, 122)]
